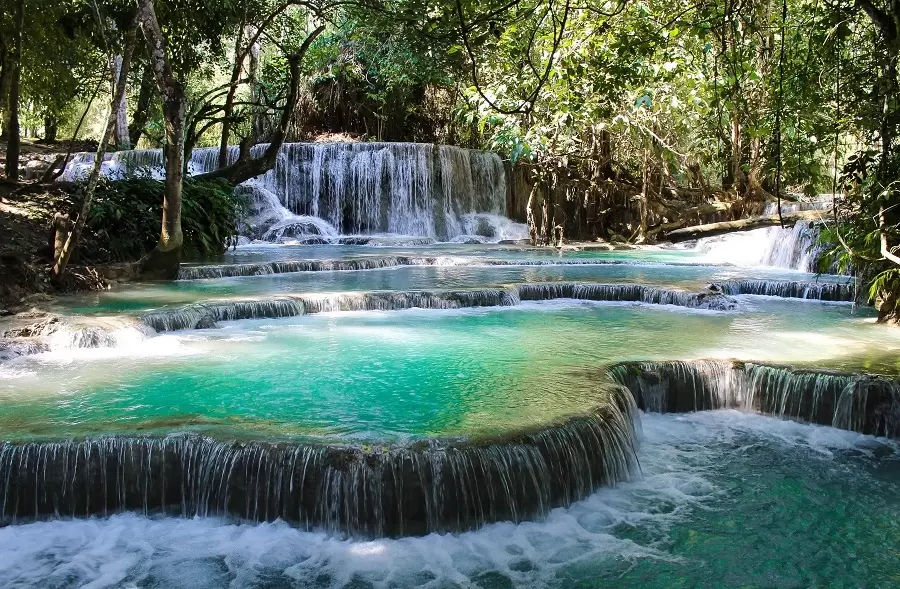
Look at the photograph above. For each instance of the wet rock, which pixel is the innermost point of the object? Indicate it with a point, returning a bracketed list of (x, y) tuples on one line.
[(14, 348)]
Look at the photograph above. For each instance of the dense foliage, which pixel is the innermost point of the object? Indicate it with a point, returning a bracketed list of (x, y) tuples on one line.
[(124, 220), (641, 108)]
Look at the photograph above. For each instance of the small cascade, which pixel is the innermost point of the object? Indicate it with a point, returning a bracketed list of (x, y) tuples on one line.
[(434, 486), (823, 204), (794, 248), (627, 293), (270, 221), (823, 291), (206, 315), (288, 266), (397, 301), (55, 333), (117, 165), (863, 403)]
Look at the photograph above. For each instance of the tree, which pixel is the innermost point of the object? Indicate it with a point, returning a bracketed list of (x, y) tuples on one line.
[(164, 260), (12, 74), (112, 121)]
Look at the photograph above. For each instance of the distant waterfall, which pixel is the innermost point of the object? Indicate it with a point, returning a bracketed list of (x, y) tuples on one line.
[(318, 192), (794, 247)]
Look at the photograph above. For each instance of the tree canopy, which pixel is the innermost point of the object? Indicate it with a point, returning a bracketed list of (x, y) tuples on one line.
[(755, 99)]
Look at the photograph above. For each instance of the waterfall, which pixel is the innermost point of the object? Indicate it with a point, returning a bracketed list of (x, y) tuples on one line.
[(434, 486), (287, 266), (54, 333), (863, 403), (319, 191), (627, 293), (794, 248)]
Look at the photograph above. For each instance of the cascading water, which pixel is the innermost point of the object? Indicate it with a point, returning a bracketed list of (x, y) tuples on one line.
[(319, 191), (862, 403), (442, 485), (206, 315), (794, 247), (791, 247)]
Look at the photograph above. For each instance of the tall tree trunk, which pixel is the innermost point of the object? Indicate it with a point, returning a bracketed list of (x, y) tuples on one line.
[(4, 84), (228, 108), (142, 107), (258, 115), (737, 147), (529, 212), (120, 132), (645, 188), (164, 260), (65, 252), (11, 112), (51, 128)]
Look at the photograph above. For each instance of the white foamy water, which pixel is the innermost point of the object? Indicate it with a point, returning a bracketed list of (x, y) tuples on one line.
[(688, 462), (793, 248)]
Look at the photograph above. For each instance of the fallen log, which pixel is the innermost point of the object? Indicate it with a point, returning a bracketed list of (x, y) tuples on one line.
[(711, 229)]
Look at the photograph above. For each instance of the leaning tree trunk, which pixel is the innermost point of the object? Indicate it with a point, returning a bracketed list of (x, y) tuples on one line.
[(11, 112), (142, 107), (245, 167), (164, 260), (228, 107), (65, 252)]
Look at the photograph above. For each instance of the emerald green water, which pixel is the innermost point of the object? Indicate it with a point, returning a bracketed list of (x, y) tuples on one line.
[(670, 268), (723, 499), (376, 376)]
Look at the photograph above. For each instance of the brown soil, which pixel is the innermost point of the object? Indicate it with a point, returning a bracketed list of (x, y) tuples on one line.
[(26, 213)]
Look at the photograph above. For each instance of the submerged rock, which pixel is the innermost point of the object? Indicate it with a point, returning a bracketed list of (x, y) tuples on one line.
[(14, 348)]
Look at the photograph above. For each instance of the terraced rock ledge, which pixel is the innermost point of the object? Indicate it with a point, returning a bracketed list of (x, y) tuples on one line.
[(214, 271), (206, 315), (859, 402), (431, 486)]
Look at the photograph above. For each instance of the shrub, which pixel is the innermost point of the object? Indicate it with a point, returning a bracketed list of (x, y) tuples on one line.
[(126, 215)]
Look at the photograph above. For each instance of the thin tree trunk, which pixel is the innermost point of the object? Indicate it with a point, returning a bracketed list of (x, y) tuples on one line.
[(529, 213), (228, 107), (142, 107), (737, 172), (645, 185), (4, 84), (51, 127), (11, 112), (65, 253), (257, 117), (60, 165), (120, 131), (246, 168), (164, 260)]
